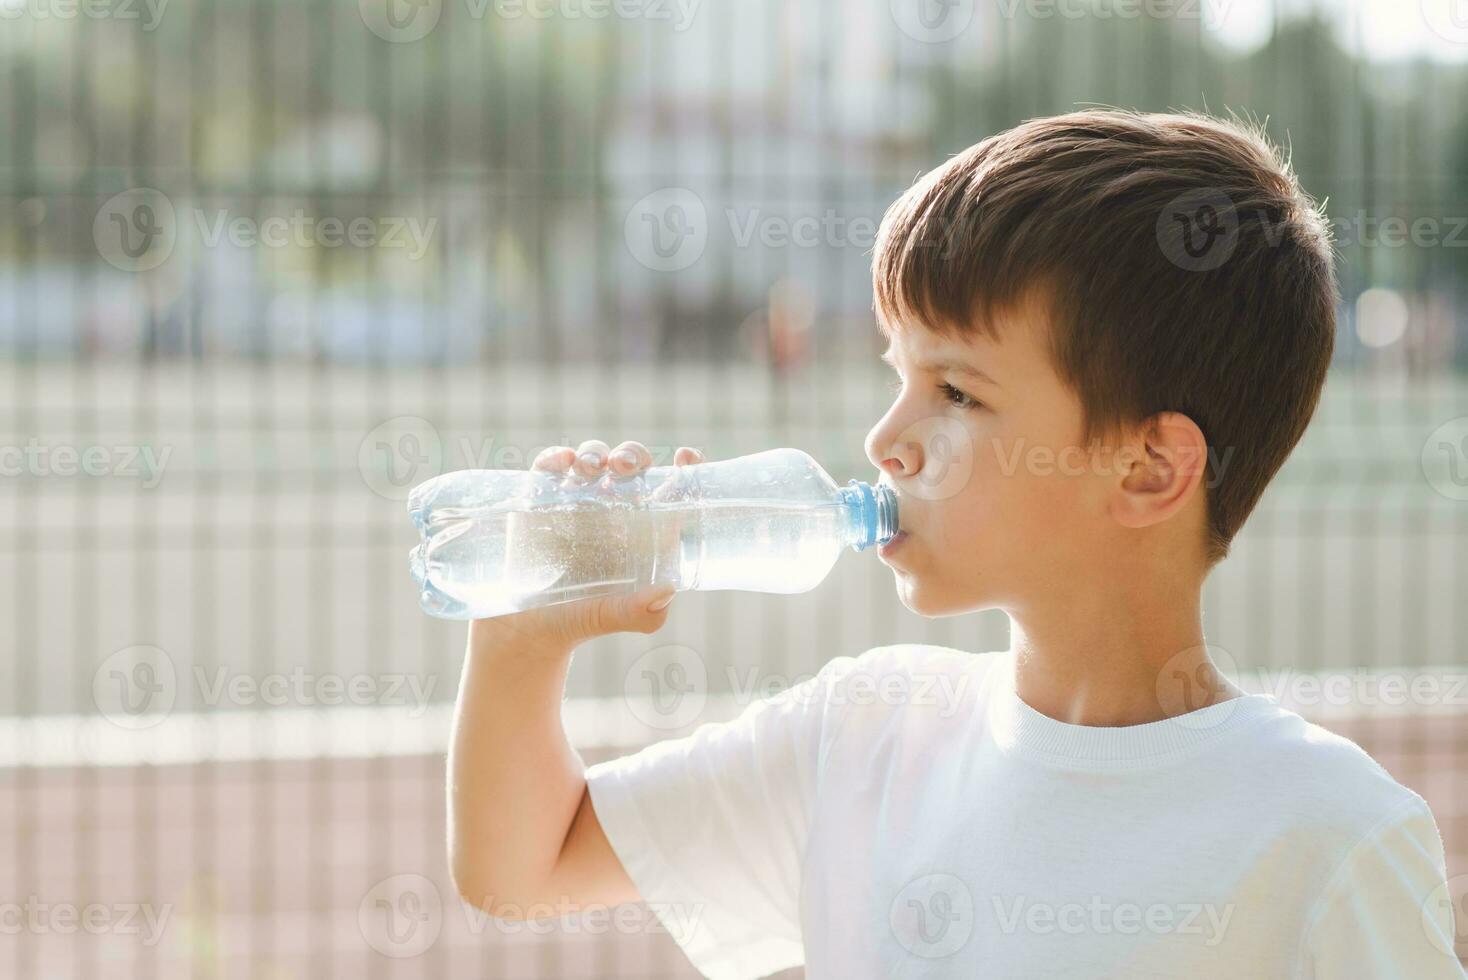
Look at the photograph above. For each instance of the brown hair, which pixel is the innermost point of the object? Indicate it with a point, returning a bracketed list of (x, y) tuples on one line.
[(1182, 267)]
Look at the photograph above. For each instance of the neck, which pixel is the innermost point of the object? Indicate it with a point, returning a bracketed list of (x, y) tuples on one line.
[(1126, 653)]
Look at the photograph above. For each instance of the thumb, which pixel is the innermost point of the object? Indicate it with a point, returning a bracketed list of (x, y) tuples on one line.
[(647, 609), (618, 614)]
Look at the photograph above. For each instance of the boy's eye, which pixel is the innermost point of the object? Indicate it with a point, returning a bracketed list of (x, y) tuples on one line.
[(957, 397), (952, 394)]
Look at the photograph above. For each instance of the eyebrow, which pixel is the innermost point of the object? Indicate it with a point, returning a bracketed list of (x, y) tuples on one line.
[(945, 364)]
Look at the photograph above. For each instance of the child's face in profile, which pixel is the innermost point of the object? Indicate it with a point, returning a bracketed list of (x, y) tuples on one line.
[(999, 500)]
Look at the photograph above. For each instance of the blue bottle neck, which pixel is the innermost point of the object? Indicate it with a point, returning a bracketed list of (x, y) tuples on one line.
[(871, 514)]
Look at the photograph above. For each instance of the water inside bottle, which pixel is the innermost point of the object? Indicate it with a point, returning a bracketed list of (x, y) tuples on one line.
[(566, 551)]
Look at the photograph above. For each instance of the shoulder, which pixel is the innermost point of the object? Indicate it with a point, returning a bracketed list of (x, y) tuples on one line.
[(1326, 794), (1333, 777), (1382, 868)]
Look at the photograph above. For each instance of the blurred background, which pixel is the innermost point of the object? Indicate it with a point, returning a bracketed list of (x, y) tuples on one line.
[(264, 266)]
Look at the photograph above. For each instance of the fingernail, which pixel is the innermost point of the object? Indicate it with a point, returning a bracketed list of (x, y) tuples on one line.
[(590, 459), (624, 457), (658, 605)]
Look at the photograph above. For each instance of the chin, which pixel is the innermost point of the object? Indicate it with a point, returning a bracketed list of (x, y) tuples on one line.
[(931, 600), (925, 600)]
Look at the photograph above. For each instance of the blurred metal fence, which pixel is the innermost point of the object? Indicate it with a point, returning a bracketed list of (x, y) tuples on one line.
[(263, 266)]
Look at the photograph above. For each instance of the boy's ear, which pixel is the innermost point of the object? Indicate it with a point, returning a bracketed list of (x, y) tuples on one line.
[(1159, 467)]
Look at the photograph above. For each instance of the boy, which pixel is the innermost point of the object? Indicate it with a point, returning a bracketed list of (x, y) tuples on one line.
[(1122, 322)]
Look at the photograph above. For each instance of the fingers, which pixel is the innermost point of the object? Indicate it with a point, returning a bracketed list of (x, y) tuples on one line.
[(629, 457), (592, 458), (587, 460), (554, 459)]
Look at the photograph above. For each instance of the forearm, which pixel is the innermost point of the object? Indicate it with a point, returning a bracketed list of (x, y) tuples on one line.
[(514, 781)]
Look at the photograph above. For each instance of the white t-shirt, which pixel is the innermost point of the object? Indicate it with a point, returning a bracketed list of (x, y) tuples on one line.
[(904, 814)]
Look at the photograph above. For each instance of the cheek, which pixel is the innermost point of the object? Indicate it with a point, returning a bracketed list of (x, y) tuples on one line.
[(1020, 484), (968, 500)]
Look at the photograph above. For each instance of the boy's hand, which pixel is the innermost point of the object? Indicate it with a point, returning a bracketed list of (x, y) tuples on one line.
[(563, 626)]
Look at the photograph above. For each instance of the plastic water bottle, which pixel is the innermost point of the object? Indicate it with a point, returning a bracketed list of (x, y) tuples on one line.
[(499, 541)]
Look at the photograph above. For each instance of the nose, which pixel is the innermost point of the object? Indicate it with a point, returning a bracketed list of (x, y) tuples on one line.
[(897, 459)]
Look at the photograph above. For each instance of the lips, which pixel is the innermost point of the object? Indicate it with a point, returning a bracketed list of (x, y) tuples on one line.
[(893, 543)]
